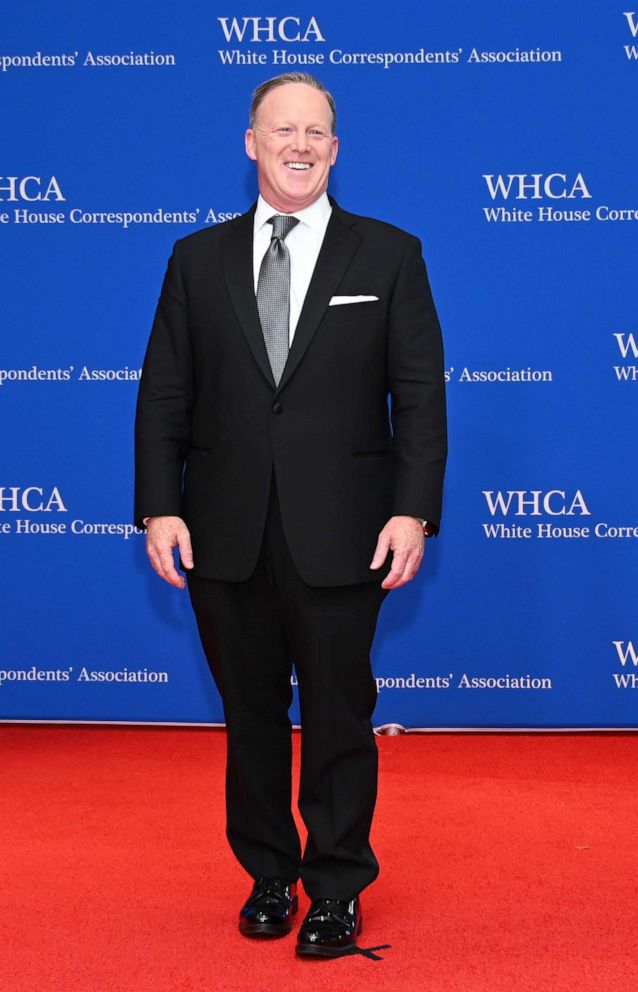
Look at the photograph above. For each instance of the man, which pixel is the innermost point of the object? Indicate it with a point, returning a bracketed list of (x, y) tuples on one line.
[(266, 455)]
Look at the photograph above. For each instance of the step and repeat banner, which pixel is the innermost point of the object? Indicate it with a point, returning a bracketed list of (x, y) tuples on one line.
[(504, 136)]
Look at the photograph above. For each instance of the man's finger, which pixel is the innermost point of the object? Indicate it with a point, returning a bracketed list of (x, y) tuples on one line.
[(185, 549), (399, 559), (381, 550), (396, 575), (154, 560), (403, 570), (170, 573), (168, 568), (391, 580)]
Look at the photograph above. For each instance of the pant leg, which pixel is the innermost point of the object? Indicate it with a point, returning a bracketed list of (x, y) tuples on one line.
[(243, 640), (330, 632)]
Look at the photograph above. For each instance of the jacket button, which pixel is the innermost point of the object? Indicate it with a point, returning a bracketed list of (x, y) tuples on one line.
[(277, 408)]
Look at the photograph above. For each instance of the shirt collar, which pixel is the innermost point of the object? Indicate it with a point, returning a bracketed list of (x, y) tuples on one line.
[(316, 216)]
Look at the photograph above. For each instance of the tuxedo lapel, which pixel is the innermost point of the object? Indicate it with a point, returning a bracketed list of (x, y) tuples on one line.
[(237, 260), (339, 245)]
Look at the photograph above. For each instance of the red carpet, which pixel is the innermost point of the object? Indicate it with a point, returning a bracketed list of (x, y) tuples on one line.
[(508, 863)]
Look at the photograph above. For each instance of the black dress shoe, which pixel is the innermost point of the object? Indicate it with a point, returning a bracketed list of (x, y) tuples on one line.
[(330, 928), (269, 909)]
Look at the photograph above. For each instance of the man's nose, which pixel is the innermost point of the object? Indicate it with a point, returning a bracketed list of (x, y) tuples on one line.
[(300, 141)]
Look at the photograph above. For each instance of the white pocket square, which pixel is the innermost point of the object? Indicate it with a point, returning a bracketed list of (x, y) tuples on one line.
[(338, 301)]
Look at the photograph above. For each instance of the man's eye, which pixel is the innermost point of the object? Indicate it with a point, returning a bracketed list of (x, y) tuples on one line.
[(317, 134), (284, 130)]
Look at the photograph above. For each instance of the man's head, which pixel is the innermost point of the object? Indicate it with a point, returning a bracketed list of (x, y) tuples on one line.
[(291, 137)]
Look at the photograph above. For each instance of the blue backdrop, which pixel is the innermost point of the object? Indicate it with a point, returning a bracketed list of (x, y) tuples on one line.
[(502, 134)]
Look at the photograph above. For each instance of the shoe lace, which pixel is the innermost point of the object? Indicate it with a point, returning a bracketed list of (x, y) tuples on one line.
[(327, 910), (273, 889)]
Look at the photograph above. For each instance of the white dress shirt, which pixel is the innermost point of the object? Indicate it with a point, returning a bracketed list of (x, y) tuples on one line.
[(303, 243)]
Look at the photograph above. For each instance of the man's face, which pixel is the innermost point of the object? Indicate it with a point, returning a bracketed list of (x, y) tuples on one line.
[(293, 145)]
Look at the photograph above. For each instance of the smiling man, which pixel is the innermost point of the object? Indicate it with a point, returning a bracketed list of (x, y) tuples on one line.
[(292, 139), (266, 454)]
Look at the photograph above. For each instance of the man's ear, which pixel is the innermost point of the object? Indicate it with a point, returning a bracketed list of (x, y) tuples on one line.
[(250, 144)]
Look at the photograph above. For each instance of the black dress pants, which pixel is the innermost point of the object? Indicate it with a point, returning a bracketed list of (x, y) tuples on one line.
[(252, 633)]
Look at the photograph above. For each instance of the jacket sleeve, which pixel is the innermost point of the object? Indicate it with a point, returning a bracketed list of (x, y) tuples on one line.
[(164, 403), (416, 383)]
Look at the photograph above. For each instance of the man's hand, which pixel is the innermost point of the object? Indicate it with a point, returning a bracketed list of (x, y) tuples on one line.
[(162, 535), (404, 537)]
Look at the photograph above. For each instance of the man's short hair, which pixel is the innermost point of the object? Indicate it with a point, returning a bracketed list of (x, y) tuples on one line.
[(291, 77)]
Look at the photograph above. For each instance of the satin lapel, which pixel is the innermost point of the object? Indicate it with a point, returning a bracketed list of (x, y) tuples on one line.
[(339, 245), (237, 261)]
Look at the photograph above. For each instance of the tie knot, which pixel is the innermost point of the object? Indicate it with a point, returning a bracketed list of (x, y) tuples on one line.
[(282, 225)]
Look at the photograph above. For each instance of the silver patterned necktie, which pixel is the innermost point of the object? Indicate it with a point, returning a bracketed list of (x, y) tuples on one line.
[(273, 294)]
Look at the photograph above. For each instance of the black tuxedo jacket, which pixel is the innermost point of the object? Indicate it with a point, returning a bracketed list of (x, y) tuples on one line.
[(211, 426)]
